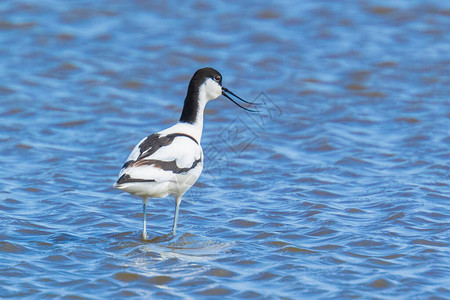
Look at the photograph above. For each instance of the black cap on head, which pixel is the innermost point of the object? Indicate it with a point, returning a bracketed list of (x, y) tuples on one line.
[(201, 75)]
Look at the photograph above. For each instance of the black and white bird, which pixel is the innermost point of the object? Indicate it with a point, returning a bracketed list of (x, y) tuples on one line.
[(170, 162)]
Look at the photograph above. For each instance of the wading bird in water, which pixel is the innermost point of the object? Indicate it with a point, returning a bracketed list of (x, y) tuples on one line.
[(170, 162)]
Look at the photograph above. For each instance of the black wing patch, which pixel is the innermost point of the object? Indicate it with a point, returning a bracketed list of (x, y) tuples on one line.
[(163, 165), (154, 142), (148, 147), (166, 165), (125, 178)]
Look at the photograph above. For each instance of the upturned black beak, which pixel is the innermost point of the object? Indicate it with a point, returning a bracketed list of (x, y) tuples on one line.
[(225, 91)]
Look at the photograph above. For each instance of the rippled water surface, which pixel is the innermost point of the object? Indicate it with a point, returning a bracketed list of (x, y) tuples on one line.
[(337, 188)]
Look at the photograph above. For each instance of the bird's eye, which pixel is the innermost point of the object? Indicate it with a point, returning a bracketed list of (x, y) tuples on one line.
[(216, 78)]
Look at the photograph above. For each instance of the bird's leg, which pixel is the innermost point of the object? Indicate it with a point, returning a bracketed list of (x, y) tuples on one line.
[(144, 231), (175, 219)]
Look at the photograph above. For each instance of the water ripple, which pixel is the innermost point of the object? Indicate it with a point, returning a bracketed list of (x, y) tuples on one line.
[(338, 188)]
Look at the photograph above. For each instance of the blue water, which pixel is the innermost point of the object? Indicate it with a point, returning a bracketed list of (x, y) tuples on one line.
[(338, 188)]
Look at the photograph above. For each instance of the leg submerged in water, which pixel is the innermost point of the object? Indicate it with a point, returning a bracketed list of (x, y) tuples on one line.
[(175, 219), (144, 208)]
